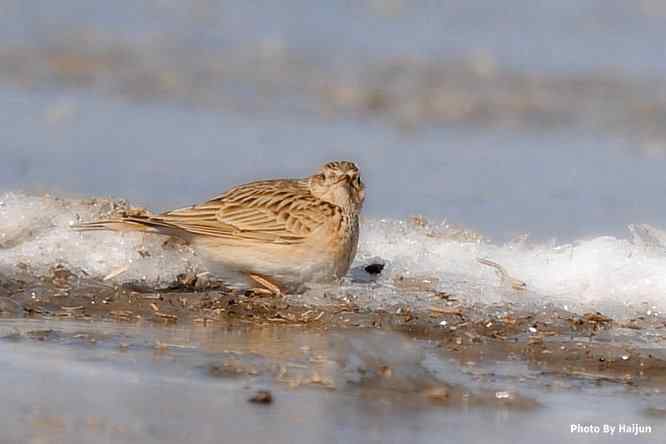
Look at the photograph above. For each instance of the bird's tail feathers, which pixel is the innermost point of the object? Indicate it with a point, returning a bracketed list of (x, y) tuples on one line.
[(146, 224)]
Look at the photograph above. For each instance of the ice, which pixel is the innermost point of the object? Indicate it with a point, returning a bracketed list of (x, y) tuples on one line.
[(619, 276), (603, 273), (35, 233)]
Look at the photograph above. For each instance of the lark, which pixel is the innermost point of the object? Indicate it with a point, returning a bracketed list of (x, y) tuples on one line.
[(281, 233)]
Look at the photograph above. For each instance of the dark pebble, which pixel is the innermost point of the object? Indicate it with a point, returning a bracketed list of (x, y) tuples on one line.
[(374, 268), (262, 397)]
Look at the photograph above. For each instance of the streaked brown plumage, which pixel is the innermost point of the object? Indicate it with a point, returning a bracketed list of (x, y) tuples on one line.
[(289, 231)]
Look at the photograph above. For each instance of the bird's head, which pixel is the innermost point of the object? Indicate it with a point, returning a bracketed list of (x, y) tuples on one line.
[(339, 182)]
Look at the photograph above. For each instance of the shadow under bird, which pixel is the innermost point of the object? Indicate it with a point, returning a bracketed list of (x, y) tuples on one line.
[(281, 233)]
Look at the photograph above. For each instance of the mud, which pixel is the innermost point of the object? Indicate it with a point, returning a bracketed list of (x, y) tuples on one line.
[(552, 341)]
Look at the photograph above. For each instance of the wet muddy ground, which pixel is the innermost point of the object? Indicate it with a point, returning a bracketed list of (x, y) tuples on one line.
[(88, 360), (589, 345)]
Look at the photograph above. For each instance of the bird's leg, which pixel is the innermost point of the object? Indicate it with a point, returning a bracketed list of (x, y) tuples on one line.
[(266, 284)]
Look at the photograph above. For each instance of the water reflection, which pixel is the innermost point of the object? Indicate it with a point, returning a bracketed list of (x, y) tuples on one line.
[(75, 382)]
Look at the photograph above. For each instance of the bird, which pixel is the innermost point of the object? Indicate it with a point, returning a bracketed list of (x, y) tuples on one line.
[(279, 233)]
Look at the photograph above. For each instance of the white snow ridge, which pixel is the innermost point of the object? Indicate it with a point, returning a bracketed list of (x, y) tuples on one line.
[(604, 273)]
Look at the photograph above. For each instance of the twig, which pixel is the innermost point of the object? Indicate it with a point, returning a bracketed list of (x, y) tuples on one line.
[(505, 277), (116, 272)]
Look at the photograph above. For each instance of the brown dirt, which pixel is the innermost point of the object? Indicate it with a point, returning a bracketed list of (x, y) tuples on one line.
[(555, 342)]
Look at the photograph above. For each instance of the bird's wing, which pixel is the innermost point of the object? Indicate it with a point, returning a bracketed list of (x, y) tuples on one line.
[(273, 211)]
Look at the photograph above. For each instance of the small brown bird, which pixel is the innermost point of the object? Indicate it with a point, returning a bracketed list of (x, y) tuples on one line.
[(281, 233)]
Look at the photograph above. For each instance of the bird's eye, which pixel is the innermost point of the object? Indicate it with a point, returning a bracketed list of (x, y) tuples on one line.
[(357, 182)]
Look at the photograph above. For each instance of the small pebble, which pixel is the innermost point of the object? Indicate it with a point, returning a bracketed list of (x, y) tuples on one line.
[(262, 397)]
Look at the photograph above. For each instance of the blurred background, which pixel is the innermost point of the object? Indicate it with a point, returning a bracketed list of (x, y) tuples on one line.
[(507, 117)]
